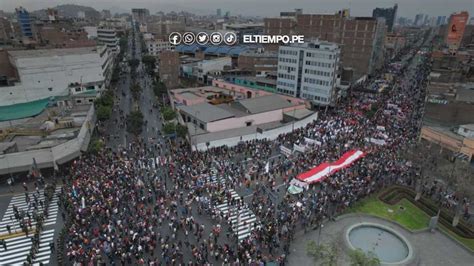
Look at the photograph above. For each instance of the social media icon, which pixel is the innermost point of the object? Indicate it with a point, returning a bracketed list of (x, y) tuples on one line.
[(230, 38), (188, 38), (216, 38), (202, 38), (175, 38)]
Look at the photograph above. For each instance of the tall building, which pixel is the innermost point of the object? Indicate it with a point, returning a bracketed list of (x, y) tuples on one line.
[(108, 37), (258, 62), (309, 71), (441, 20), (169, 68), (219, 13), (361, 38), (24, 22), (44, 73), (419, 20), (389, 14), (456, 26), (140, 14)]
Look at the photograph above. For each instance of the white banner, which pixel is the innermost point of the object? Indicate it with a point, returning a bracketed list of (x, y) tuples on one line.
[(297, 183), (285, 150), (376, 141), (299, 148), (312, 141)]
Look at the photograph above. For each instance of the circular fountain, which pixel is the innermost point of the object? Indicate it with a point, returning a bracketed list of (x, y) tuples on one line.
[(388, 245)]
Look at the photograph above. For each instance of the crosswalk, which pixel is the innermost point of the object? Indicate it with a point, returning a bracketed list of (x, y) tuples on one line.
[(19, 247), (20, 202), (241, 218)]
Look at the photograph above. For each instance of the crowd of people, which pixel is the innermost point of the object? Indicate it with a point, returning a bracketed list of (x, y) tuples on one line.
[(153, 204)]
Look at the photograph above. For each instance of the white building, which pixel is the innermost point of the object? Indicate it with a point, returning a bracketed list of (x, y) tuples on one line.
[(108, 37), (45, 73), (155, 46), (466, 130), (205, 66), (309, 71)]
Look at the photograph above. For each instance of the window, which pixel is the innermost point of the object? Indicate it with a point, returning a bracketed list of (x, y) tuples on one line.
[(50, 89), (78, 89), (248, 123)]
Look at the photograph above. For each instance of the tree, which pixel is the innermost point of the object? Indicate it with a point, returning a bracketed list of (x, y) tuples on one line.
[(324, 254), (96, 146), (135, 89), (168, 113), (149, 61), (103, 112), (135, 122), (159, 89), (133, 63), (359, 258), (169, 128), (181, 131)]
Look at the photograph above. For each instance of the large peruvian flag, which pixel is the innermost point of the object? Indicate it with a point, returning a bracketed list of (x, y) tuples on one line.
[(321, 171)]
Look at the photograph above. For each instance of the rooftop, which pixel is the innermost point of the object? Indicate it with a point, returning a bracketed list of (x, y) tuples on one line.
[(264, 104), (22, 110), (52, 52), (206, 112)]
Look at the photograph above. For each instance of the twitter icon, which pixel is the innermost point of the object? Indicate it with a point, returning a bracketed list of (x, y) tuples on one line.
[(202, 38)]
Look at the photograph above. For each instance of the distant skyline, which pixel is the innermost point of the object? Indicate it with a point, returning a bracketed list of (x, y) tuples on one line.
[(263, 8)]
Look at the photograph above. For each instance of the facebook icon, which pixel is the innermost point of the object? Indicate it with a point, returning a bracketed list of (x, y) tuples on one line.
[(175, 38)]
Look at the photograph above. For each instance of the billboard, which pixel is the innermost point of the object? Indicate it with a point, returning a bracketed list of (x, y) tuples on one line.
[(456, 26)]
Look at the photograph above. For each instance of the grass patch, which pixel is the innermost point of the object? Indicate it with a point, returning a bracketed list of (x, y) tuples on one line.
[(469, 243), (404, 212)]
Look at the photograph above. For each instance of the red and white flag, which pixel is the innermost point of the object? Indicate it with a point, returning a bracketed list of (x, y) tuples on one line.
[(321, 171)]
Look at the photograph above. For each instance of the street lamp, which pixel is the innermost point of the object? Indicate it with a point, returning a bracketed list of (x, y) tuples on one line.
[(319, 234)]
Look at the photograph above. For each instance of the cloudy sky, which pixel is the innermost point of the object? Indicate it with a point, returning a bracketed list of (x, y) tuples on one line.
[(407, 8)]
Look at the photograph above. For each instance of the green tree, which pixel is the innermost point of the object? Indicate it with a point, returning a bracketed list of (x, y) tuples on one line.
[(159, 89), (96, 146), (135, 122), (149, 61), (359, 258), (133, 63), (103, 112), (135, 89), (181, 131), (324, 254), (169, 128), (168, 113)]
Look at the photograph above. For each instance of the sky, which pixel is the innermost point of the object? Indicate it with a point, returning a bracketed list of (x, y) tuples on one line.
[(264, 8)]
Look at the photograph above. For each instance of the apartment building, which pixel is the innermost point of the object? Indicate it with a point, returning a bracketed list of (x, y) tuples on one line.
[(309, 71), (361, 38)]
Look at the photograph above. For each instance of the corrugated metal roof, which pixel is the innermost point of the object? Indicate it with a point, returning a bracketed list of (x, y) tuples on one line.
[(264, 104), (206, 112)]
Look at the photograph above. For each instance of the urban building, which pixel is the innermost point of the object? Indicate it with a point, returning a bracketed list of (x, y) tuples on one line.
[(468, 38), (419, 20), (62, 35), (361, 38), (105, 14), (389, 14), (441, 20), (108, 37), (120, 25), (244, 29), (6, 32), (258, 83), (140, 15), (309, 71), (259, 61), (162, 29), (205, 66), (155, 46), (169, 68), (25, 22), (226, 114), (219, 13), (394, 43), (456, 27), (43, 73)]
